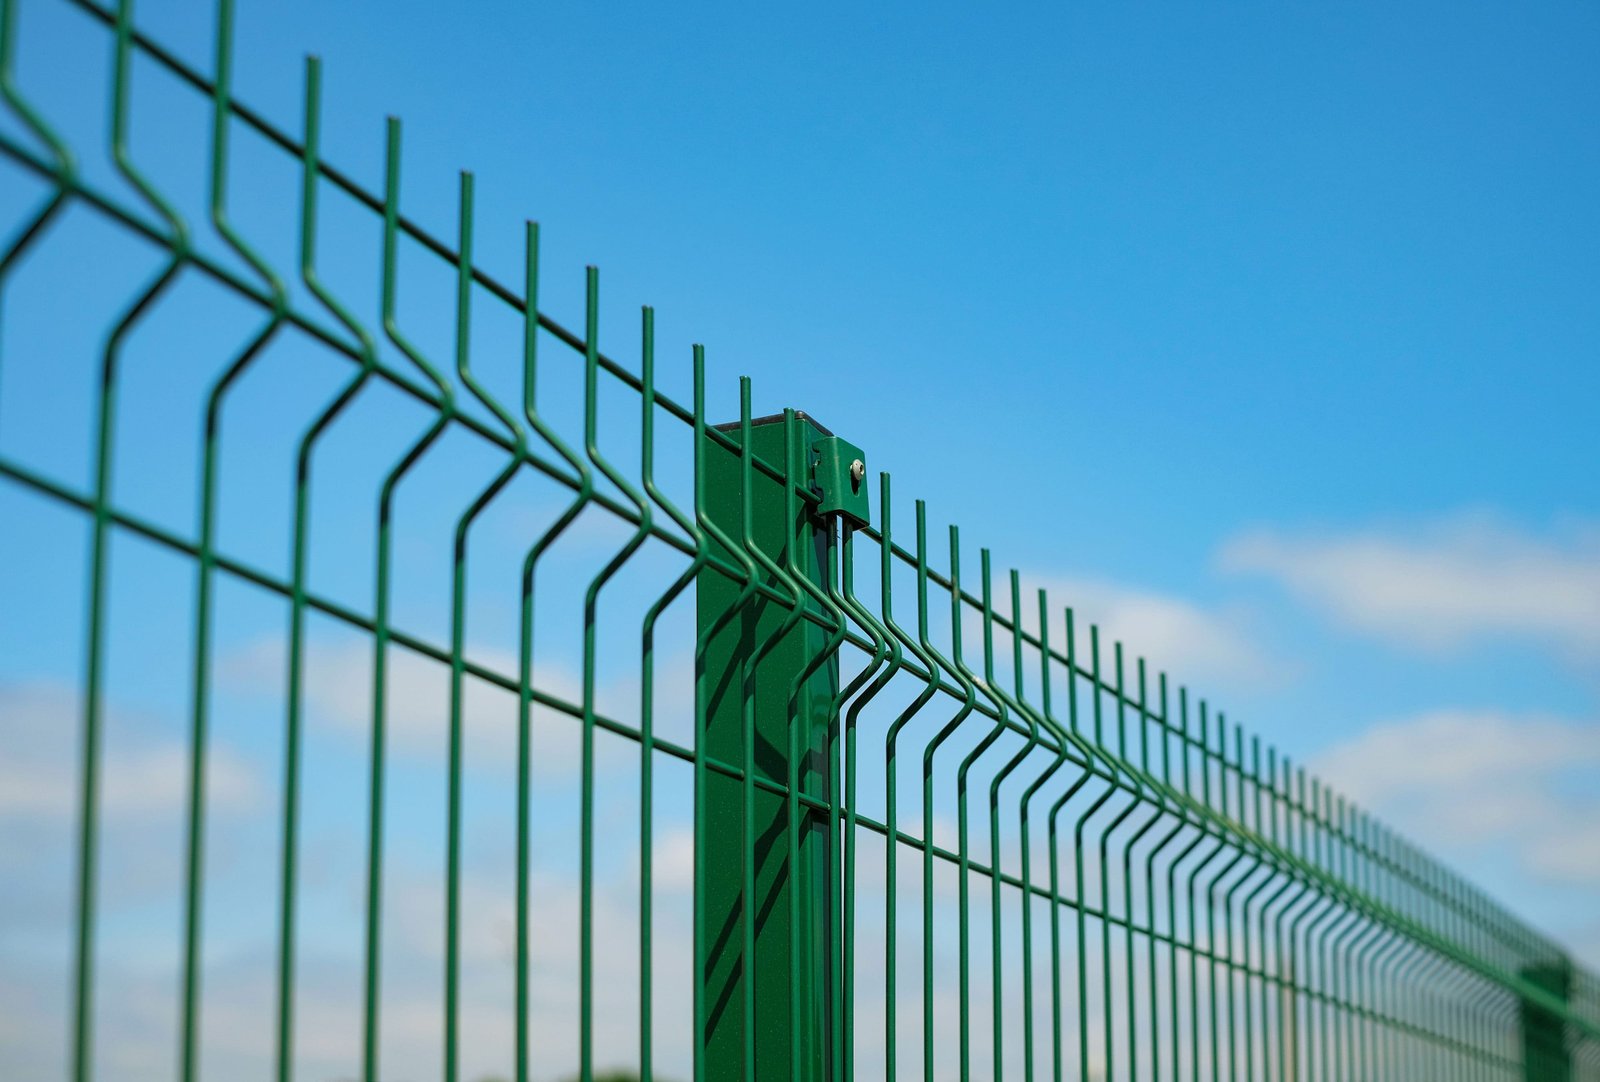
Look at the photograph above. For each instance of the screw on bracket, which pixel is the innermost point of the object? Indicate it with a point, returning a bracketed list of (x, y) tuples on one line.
[(841, 468)]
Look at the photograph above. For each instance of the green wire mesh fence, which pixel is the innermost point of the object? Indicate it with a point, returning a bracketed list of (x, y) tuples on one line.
[(554, 756)]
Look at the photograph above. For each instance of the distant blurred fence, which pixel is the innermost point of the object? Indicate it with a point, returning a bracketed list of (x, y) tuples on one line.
[(936, 829)]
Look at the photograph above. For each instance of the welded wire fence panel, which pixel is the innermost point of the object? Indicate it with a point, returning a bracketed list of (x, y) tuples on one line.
[(396, 685)]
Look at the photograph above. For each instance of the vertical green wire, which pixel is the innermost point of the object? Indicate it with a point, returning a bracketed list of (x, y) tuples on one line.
[(1053, 821), (300, 549), (698, 932), (970, 686), (1360, 948), (458, 574), (1120, 756), (1318, 932), (996, 961), (885, 648), (1152, 958), (1328, 905), (1213, 1007), (1298, 961), (530, 350), (1107, 1014), (748, 588), (1173, 941), (975, 683), (1222, 899), (1278, 985), (1341, 975), (1127, 847), (647, 743), (1324, 967), (1013, 704), (1191, 922), (458, 603), (1241, 990), (1262, 861), (177, 240), (891, 813), (205, 554), (1079, 827), (1338, 954), (383, 561), (591, 356), (917, 648), (1024, 825), (936, 662), (1241, 854), (1275, 985), (1296, 972), (873, 678), (1364, 969), (964, 861), (647, 717), (590, 665), (842, 807), (582, 481), (1279, 884)]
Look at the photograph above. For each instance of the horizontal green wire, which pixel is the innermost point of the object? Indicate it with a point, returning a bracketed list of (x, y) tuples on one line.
[(422, 394), (344, 614), (1396, 947)]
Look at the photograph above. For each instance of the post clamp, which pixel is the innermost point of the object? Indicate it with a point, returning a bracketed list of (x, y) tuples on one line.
[(840, 477)]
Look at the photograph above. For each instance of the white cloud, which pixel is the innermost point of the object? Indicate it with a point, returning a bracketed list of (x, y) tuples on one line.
[(1444, 586), (1172, 634), (39, 731), (338, 687), (1484, 782)]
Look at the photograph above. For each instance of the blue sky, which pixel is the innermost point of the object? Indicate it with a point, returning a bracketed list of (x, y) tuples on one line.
[(1114, 288), (1269, 334)]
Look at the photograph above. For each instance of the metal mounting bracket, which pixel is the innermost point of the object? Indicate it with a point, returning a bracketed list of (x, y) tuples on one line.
[(840, 475)]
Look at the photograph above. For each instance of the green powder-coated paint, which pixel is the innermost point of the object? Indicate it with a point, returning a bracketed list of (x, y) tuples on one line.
[(769, 709), (941, 827)]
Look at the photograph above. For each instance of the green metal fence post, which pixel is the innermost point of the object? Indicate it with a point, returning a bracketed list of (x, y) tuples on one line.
[(771, 677), (1546, 1056), (1302, 941)]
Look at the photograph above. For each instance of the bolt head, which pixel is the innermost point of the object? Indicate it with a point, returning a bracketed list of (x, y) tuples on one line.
[(858, 473)]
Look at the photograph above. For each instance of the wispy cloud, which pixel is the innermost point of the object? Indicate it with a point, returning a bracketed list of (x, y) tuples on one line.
[(1193, 642), (1443, 586), (1484, 783), (338, 687), (146, 776)]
